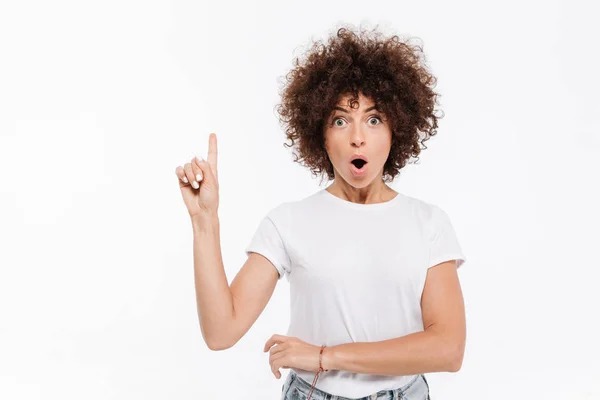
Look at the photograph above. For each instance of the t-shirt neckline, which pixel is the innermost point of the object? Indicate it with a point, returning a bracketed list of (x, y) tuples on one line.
[(359, 206)]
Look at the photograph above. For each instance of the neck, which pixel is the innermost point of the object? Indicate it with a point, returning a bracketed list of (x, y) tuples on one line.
[(375, 192)]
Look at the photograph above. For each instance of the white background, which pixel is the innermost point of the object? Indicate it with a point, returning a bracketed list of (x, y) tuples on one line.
[(100, 101)]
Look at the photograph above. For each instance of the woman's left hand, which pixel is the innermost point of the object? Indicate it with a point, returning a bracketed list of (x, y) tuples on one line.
[(291, 352)]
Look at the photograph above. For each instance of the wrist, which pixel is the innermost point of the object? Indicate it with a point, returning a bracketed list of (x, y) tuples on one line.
[(204, 222), (328, 358)]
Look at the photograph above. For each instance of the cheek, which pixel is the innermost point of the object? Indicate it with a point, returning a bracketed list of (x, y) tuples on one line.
[(386, 145), (332, 150)]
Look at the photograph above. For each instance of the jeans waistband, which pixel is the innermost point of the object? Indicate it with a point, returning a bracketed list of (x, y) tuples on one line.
[(295, 381)]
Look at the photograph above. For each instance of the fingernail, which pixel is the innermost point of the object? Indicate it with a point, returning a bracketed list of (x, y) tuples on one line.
[(195, 185), (199, 177), (185, 179)]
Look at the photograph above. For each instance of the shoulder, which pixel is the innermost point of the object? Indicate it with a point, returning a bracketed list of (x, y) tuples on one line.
[(279, 213), (425, 210), (296, 206), (429, 215)]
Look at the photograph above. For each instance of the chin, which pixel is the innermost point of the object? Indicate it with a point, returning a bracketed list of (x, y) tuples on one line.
[(358, 183)]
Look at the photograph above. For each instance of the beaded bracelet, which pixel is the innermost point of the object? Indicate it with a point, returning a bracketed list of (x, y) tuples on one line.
[(318, 372)]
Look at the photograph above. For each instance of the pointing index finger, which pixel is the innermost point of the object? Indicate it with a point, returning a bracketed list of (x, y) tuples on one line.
[(212, 153)]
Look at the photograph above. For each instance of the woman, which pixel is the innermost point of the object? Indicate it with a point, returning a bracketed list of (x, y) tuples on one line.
[(375, 298)]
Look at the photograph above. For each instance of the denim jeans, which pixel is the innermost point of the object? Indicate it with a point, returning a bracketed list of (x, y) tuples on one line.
[(296, 388)]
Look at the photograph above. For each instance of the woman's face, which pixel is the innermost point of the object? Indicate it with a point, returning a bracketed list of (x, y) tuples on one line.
[(357, 131)]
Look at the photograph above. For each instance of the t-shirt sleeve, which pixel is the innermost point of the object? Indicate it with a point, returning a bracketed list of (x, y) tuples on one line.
[(268, 240), (444, 243)]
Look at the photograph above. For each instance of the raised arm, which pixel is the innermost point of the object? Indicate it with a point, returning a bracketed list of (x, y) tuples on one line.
[(225, 313)]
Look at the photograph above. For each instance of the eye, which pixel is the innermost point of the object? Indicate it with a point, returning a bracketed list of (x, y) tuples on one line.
[(336, 120), (377, 118)]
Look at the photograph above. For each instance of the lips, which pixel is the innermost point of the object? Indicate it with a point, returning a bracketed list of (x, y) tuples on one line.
[(358, 172), (359, 157), (358, 165), (359, 161)]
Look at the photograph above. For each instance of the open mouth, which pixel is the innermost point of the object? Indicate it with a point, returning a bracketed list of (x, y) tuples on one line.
[(358, 163)]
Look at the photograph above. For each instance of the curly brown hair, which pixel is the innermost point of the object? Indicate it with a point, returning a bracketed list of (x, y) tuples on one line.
[(389, 71)]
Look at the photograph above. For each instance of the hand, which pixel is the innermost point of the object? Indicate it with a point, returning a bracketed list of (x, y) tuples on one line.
[(201, 196), (291, 352)]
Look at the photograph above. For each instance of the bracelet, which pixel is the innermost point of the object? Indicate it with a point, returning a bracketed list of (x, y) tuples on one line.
[(318, 372), (321, 359)]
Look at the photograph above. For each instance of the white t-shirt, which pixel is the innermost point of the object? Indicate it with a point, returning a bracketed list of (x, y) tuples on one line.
[(356, 273)]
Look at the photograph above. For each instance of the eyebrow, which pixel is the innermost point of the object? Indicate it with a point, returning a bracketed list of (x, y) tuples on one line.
[(346, 111)]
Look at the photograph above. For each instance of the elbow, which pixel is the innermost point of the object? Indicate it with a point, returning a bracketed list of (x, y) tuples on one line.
[(454, 365), (455, 359), (221, 339), (216, 345), (216, 342), (226, 342)]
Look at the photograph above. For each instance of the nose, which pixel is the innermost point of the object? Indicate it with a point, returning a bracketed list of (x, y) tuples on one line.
[(357, 137)]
